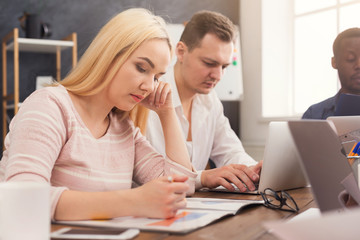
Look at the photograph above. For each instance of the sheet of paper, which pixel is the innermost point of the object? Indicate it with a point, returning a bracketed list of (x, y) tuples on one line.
[(219, 204), (330, 226)]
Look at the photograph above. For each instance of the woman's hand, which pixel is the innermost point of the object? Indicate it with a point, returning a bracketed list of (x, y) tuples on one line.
[(160, 99), (161, 198)]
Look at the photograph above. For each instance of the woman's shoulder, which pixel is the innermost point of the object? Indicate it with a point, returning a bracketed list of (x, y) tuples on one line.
[(57, 93), (52, 99)]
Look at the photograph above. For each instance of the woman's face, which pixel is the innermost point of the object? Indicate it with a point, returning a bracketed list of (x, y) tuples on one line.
[(136, 77)]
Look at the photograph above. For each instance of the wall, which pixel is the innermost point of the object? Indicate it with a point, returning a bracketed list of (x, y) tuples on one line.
[(253, 127), (86, 18)]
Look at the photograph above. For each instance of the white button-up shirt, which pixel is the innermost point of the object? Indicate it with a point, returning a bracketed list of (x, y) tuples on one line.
[(212, 136)]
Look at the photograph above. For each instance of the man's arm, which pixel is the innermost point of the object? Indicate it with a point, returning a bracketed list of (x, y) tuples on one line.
[(230, 157)]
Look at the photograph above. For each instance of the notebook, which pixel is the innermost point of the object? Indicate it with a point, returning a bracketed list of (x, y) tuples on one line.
[(347, 104), (281, 167), (324, 163)]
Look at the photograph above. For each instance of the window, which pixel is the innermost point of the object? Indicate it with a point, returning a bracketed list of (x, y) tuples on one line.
[(297, 49)]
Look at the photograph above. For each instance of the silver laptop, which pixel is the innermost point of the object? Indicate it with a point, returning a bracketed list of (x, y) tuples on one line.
[(281, 167), (324, 162), (347, 129)]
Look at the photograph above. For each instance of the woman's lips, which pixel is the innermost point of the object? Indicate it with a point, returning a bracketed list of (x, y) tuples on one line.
[(137, 98)]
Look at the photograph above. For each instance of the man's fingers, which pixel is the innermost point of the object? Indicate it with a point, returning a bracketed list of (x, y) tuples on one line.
[(257, 167), (226, 184), (253, 175), (241, 179)]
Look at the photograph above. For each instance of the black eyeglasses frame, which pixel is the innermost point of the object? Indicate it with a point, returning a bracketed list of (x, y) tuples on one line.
[(282, 199)]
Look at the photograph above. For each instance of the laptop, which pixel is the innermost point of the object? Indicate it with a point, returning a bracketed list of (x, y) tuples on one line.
[(347, 104), (324, 163), (347, 129), (281, 167)]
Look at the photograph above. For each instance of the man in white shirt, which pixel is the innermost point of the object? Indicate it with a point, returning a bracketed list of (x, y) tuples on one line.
[(203, 52)]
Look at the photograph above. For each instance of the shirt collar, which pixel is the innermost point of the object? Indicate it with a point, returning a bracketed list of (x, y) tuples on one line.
[(170, 78)]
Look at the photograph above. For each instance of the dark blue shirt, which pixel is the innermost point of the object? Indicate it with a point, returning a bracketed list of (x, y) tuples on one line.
[(322, 110)]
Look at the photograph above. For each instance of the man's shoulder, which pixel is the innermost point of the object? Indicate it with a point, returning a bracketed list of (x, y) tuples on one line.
[(327, 103), (321, 109)]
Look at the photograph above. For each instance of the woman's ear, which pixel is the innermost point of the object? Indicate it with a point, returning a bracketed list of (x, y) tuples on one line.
[(333, 63), (180, 50)]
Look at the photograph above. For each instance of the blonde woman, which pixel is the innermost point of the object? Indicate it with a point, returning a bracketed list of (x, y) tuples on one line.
[(77, 134)]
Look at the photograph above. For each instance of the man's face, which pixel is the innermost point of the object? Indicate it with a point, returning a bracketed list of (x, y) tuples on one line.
[(347, 62), (203, 67)]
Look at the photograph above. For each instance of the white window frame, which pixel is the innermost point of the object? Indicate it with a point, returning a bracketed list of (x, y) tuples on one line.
[(278, 69)]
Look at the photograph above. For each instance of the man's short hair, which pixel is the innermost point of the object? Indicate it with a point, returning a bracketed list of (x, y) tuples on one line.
[(348, 33), (204, 22)]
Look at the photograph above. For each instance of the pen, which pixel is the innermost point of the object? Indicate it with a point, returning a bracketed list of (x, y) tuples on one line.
[(355, 150), (354, 153), (352, 150)]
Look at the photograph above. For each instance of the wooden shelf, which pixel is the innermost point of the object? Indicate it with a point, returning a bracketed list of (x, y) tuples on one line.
[(40, 45), (12, 42)]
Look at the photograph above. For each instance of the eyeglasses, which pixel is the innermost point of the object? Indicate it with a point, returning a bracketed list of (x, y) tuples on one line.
[(281, 201)]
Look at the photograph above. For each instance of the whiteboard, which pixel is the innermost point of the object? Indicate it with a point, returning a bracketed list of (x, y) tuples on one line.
[(230, 87)]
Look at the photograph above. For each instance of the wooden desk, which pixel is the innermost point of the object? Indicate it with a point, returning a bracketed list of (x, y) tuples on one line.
[(245, 225)]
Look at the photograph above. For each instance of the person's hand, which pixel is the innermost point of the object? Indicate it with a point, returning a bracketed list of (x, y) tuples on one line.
[(257, 167), (237, 174), (161, 198), (160, 99)]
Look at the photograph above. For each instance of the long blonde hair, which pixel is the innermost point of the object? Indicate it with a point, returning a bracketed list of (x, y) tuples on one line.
[(112, 46)]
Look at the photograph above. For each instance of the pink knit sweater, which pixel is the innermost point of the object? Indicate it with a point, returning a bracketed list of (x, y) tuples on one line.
[(48, 142)]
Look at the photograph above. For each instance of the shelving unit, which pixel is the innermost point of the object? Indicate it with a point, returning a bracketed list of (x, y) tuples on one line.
[(12, 42)]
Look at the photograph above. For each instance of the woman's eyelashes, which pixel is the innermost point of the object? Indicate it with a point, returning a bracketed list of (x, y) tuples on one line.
[(140, 68)]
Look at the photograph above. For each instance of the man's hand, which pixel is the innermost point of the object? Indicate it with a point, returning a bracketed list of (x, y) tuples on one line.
[(257, 167), (237, 174)]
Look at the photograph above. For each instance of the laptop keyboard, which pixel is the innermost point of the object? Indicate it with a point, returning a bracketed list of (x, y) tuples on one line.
[(223, 189)]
